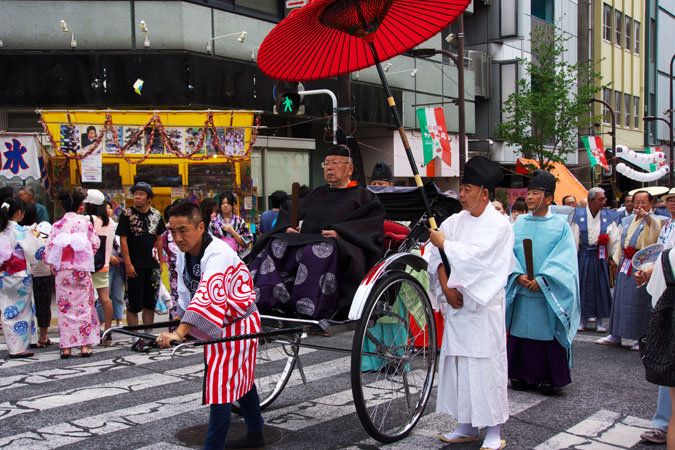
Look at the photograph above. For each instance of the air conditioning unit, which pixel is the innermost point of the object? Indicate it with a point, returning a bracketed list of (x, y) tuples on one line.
[(480, 64)]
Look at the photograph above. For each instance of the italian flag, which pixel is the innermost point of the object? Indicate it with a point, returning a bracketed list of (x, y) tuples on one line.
[(434, 135), (596, 150)]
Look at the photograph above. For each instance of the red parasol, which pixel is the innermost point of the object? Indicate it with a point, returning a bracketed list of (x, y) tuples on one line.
[(327, 38)]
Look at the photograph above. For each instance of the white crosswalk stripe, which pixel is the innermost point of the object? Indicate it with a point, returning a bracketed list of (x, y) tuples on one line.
[(603, 430)]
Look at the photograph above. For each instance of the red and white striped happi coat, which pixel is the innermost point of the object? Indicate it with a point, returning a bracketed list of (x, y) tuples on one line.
[(223, 296)]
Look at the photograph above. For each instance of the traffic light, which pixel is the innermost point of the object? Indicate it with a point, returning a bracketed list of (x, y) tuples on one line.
[(288, 104), (288, 99)]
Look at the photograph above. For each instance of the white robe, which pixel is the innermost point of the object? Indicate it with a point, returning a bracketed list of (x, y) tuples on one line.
[(473, 364)]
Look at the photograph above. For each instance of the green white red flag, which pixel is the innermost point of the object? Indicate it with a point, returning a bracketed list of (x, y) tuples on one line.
[(596, 150), (434, 135)]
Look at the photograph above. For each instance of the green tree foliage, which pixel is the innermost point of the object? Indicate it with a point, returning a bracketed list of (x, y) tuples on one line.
[(551, 104)]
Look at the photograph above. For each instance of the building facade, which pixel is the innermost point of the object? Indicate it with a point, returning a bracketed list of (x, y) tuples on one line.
[(196, 54), (501, 29)]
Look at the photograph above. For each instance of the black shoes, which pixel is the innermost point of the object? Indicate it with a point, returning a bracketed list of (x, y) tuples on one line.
[(252, 441), (143, 346), (519, 385), (546, 389)]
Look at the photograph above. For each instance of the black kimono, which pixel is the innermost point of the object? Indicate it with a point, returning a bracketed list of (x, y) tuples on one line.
[(309, 274)]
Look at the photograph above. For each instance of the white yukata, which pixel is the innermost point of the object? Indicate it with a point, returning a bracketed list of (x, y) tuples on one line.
[(473, 365)]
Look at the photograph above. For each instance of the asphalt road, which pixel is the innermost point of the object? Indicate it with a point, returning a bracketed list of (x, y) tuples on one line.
[(119, 399)]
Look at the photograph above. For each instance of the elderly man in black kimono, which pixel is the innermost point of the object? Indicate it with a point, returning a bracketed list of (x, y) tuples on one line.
[(314, 269)]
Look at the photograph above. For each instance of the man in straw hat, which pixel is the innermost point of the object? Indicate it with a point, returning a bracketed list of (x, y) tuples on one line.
[(479, 245), (542, 312), (631, 305)]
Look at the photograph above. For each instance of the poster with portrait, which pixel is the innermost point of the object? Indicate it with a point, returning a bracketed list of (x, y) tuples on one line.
[(89, 134), (157, 147), (91, 167), (137, 146), (192, 140), (235, 144), (70, 139), (210, 147), (177, 137), (110, 148)]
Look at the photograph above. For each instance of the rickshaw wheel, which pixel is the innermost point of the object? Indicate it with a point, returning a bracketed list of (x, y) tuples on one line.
[(393, 357), (274, 364)]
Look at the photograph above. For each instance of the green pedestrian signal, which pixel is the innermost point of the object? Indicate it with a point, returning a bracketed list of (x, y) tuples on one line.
[(288, 104)]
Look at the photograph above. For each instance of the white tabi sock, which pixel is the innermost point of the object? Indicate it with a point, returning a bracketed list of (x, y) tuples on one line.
[(463, 430), (493, 437)]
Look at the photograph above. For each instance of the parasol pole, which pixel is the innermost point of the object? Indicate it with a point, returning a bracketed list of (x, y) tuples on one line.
[(406, 145)]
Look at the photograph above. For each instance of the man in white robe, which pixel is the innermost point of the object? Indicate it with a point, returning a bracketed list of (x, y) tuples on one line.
[(473, 365)]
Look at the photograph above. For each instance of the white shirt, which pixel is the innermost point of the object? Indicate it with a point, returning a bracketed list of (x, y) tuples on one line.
[(594, 225)]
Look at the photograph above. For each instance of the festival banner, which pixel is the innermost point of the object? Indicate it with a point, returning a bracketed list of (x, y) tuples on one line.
[(596, 150), (138, 135), (19, 156), (434, 135)]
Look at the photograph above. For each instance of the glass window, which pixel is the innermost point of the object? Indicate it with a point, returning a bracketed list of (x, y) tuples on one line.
[(636, 41), (542, 9), (627, 110), (618, 25), (629, 30), (607, 98), (509, 78), (210, 176), (266, 6), (607, 23), (285, 167), (509, 18), (617, 107), (636, 112), (158, 175)]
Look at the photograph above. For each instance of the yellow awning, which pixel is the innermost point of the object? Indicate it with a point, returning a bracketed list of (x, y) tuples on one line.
[(567, 182)]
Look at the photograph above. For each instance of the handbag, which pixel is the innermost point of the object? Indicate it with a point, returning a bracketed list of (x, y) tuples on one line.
[(99, 256), (657, 348)]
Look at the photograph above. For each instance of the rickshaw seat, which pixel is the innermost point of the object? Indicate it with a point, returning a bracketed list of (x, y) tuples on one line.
[(394, 234)]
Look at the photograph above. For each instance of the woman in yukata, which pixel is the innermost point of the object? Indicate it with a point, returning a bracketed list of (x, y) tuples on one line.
[(229, 227), (19, 248), (70, 251)]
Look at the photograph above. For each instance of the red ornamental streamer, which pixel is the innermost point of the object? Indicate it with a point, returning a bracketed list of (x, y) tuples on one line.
[(155, 124)]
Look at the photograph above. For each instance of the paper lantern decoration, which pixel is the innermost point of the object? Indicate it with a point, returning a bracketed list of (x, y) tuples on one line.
[(641, 176), (658, 158)]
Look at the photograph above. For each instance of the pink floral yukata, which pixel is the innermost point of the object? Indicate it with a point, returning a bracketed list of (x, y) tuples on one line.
[(70, 250)]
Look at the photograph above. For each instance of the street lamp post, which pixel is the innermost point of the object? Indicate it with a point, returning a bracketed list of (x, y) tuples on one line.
[(459, 62), (667, 122), (612, 133)]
